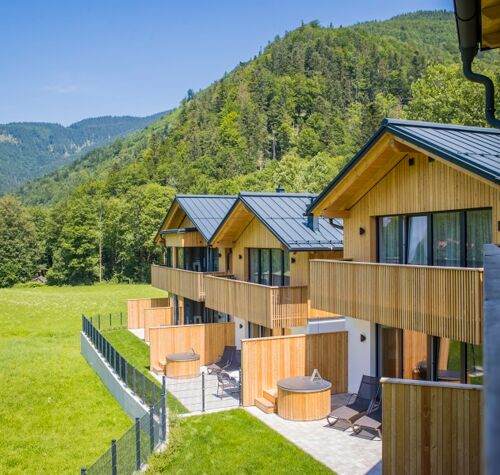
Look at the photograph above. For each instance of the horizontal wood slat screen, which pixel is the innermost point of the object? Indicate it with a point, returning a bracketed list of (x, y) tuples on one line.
[(181, 282), (208, 340), (431, 427), (135, 310), (155, 317), (266, 360), (439, 301), (272, 307)]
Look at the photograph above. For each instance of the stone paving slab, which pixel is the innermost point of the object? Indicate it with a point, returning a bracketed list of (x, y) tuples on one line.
[(341, 451)]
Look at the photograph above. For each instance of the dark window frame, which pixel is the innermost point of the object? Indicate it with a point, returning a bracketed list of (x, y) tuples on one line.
[(259, 250)]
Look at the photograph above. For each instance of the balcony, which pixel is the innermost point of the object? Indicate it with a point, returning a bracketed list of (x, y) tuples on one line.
[(439, 301), (184, 283), (272, 307)]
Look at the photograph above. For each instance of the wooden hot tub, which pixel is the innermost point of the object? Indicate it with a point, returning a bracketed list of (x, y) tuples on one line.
[(304, 398), (182, 365)]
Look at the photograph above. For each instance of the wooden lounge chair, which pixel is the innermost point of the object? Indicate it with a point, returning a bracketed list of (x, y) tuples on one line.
[(223, 362), (371, 421), (359, 404)]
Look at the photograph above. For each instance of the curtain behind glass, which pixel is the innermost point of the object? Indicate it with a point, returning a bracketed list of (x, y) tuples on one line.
[(478, 224), (265, 266), (446, 239), (253, 265), (277, 267), (417, 247), (388, 240), (286, 268)]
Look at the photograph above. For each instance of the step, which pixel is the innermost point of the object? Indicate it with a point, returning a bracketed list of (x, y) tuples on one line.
[(271, 395), (264, 405)]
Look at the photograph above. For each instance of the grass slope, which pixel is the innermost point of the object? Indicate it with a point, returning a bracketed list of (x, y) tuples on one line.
[(137, 353), (55, 414), (228, 443)]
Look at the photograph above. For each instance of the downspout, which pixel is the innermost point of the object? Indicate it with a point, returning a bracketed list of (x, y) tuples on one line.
[(489, 88)]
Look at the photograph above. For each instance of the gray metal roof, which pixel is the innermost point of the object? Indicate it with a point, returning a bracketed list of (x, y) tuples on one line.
[(476, 149), (283, 215), (206, 212)]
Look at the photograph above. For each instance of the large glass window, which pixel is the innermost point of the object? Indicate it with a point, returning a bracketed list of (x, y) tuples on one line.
[(478, 224), (269, 267), (446, 239), (449, 239), (418, 242), (180, 258), (168, 256), (389, 239)]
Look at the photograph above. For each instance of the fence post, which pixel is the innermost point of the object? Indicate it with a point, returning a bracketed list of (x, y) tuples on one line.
[(113, 458), (134, 380), (137, 444), (121, 320), (164, 408), (99, 321), (241, 388), (83, 471), (203, 392), (151, 430), (110, 325), (153, 393), (143, 387)]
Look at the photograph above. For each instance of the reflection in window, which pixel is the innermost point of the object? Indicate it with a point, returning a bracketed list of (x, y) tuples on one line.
[(269, 267), (446, 239), (418, 245), (478, 224), (474, 364), (389, 240)]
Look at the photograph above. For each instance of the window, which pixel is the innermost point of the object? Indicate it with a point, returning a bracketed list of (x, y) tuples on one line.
[(449, 239), (389, 239), (180, 258), (269, 267), (168, 256)]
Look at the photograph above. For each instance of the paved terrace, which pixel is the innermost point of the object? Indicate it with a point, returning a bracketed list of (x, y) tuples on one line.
[(339, 450)]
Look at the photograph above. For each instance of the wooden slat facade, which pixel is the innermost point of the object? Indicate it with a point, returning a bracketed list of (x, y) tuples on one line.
[(208, 340), (266, 360), (135, 310), (155, 317), (431, 428), (272, 307), (181, 282), (439, 301)]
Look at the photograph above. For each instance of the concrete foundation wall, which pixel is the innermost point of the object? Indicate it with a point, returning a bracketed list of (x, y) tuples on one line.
[(127, 400)]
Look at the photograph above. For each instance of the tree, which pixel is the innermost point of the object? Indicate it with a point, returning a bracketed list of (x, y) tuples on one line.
[(20, 252)]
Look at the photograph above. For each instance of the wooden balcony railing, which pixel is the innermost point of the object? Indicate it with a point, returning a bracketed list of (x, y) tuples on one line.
[(184, 283), (272, 307), (439, 301)]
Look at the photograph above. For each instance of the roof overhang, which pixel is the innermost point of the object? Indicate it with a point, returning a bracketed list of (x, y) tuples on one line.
[(172, 221), (478, 23)]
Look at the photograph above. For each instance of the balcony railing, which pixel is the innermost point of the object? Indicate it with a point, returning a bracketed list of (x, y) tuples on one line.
[(439, 301), (184, 283), (272, 307)]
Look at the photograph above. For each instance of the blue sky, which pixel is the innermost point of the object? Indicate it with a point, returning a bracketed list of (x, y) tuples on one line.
[(63, 61)]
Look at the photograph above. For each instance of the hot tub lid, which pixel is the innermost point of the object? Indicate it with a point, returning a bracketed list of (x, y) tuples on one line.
[(183, 357), (304, 384)]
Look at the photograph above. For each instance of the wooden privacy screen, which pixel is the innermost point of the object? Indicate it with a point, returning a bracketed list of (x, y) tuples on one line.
[(135, 310), (266, 360), (208, 340), (155, 317), (440, 301), (431, 427)]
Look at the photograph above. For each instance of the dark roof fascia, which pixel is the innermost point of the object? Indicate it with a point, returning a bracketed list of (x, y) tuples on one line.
[(165, 218), (179, 231)]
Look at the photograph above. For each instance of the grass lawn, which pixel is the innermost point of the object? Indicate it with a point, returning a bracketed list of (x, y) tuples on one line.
[(230, 442), (55, 414), (137, 354)]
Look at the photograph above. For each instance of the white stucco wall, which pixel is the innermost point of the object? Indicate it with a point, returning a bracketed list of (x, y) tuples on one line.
[(240, 333), (361, 354)]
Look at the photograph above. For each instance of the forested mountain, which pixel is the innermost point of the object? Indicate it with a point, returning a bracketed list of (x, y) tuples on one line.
[(292, 115), (31, 149)]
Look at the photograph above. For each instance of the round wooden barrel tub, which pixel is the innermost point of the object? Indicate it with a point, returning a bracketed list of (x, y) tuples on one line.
[(301, 398), (182, 365)]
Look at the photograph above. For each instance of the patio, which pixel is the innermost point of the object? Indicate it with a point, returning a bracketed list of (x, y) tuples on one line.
[(337, 449)]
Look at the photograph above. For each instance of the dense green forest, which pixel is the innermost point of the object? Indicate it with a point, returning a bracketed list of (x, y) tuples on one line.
[(31, 149), (292, 115)]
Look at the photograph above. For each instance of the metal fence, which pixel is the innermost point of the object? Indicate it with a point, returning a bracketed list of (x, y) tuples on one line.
[(128, 453), (108, 321)]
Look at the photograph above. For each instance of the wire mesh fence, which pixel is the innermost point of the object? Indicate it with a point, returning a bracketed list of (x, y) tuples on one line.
[(127, 454)]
